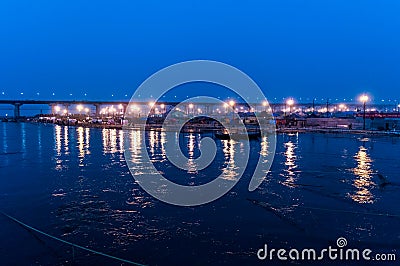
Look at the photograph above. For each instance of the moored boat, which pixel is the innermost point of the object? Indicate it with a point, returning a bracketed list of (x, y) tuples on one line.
[(224, 135)]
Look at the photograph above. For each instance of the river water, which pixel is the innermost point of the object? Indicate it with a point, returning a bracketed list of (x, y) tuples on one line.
[(74, 183)]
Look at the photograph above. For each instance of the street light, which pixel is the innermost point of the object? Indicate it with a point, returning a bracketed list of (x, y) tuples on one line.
[(121, 109), (290, 103), (265, 105), (364, 98), (398, 110), (232, 104), (190, 107), (79, 108), (162, 108), (57, 109)]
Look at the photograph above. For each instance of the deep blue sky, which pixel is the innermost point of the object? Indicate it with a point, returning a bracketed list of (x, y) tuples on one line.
[(305, 49)]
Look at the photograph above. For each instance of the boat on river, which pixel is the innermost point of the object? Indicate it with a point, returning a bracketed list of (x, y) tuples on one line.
[(226, 135)]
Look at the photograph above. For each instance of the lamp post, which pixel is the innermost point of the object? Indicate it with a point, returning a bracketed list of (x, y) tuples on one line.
[(364, 98), (226, 107), (232, 104), (398, 110), (290, 103), (151, 104), (162, 109), (190, 108), (79, 108), (265, 105), (57, 109), (327, 107), (313, 105)]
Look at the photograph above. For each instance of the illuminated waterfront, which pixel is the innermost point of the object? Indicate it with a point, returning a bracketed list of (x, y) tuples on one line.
[(73, 182)]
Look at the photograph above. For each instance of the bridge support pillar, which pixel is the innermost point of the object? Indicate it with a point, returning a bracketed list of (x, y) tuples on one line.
[(17, 110), (98, 106)]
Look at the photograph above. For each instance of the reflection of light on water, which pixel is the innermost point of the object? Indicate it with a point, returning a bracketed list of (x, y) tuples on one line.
[(264, 147), (61, 134), (121, 141), (135, 146), (290, 156), (5, 145), (290, 163), (264, 153), (192, 166), (363, 182), (58, 139), (87, 137), (162, 143), (23, 132), (191, 146), (230, 171), (104, 134), (109, 140), (40, 142), (152, 141), (66, 142), (80, 142), (135, 140), (225, 148), (113, 140)]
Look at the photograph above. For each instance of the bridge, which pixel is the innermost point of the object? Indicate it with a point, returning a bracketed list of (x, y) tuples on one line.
[(66, 103), (206, 106)]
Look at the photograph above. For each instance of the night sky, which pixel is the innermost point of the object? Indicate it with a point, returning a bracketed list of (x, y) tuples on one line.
[(105, 49)]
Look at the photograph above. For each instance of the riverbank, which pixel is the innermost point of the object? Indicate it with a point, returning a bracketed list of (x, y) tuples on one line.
[(337, 131), (202, 129)]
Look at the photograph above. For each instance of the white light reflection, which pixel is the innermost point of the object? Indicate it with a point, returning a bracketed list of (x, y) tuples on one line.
[(109, 140), (121, 141), (87, 137), (5, 145), (363, 181), (79, 131), (66, 141), (58, 139), (290, 163), (230, 171), (192, 166)]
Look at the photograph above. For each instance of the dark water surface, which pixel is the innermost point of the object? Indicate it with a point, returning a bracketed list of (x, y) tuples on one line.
[(73, 183)]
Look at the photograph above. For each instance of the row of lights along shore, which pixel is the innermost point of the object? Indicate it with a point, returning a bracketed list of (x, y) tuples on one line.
[(289, 104)]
